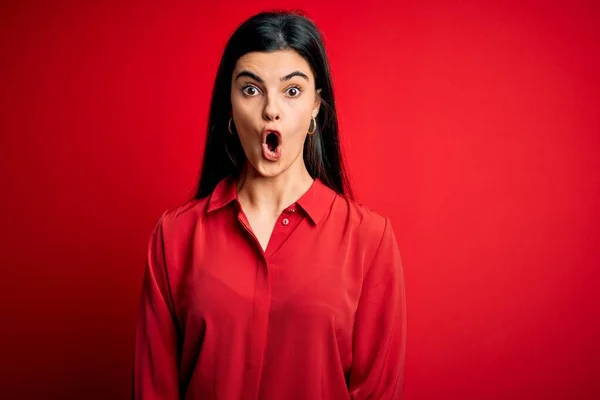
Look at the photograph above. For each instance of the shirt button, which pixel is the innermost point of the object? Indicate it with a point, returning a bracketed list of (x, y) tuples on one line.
[(285, 221), (292, 209)]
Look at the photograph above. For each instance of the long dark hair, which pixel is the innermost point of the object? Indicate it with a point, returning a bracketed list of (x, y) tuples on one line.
[(266, 32)]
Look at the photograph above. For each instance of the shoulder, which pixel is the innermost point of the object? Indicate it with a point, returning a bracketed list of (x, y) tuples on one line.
[(181, 218), (370, 224)]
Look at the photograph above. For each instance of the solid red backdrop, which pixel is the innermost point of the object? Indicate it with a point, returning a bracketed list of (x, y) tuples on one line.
[(474, 126)]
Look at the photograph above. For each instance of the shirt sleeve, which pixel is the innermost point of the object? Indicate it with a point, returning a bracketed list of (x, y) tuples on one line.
[(379, 343), (155, 374)]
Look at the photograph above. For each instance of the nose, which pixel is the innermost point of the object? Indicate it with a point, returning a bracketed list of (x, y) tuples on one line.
[(271, 111)]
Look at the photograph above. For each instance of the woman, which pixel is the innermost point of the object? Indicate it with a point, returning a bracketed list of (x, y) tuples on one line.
[(272, 283)]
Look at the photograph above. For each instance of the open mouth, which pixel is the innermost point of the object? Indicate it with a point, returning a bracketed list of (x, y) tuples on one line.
[(272, 145), (273, 140)]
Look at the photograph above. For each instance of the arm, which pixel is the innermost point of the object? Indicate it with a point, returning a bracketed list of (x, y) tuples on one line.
[(379, 343), (155, 364)]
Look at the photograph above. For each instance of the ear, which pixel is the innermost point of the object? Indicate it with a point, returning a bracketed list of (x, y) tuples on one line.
[(317, 104)]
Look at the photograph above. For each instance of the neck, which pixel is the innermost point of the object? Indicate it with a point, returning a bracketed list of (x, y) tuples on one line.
[(271, 195)]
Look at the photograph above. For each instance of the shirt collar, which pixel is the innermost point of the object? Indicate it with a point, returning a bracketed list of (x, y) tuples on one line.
[(224, 193), (315, 202)]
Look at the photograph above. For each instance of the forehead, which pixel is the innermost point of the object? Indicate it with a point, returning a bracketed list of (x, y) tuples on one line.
[(273, 65)]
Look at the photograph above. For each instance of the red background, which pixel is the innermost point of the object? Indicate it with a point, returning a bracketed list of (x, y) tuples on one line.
[(475, 127)]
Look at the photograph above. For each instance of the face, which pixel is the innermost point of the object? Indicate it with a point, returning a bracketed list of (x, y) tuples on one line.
[(273, 99)]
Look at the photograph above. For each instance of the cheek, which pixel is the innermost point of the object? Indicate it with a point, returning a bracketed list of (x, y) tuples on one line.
[(244, 114), (301, 119)]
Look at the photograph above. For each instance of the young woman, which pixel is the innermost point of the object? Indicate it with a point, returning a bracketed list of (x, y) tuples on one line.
[(272, 283)]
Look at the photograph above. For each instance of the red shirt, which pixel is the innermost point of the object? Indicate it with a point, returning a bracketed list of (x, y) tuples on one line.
[(319, 315)]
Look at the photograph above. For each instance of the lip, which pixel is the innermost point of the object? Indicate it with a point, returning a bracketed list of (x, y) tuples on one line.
[(268, 154), (266, 133)]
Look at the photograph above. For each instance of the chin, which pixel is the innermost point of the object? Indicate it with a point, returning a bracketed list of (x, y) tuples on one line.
[(268, 169)]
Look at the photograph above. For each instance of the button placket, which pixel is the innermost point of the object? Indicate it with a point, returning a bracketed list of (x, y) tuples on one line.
[(285, 225)]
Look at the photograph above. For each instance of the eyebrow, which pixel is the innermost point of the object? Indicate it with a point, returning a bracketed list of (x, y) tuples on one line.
[(259, 79)]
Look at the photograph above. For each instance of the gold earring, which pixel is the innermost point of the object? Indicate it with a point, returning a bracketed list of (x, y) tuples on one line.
[(229, 126), (313, 124)]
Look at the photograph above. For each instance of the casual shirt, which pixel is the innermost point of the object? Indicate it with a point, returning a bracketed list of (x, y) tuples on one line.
[(318, 314)]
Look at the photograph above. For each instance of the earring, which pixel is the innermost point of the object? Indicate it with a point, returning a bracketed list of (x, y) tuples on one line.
[(312, 127), (229, 126)]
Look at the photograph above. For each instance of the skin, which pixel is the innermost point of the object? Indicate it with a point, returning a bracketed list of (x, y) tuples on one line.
[(265, 187)]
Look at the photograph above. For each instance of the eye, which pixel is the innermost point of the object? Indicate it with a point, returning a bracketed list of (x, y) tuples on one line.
[(250, 90), (294, 91)]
